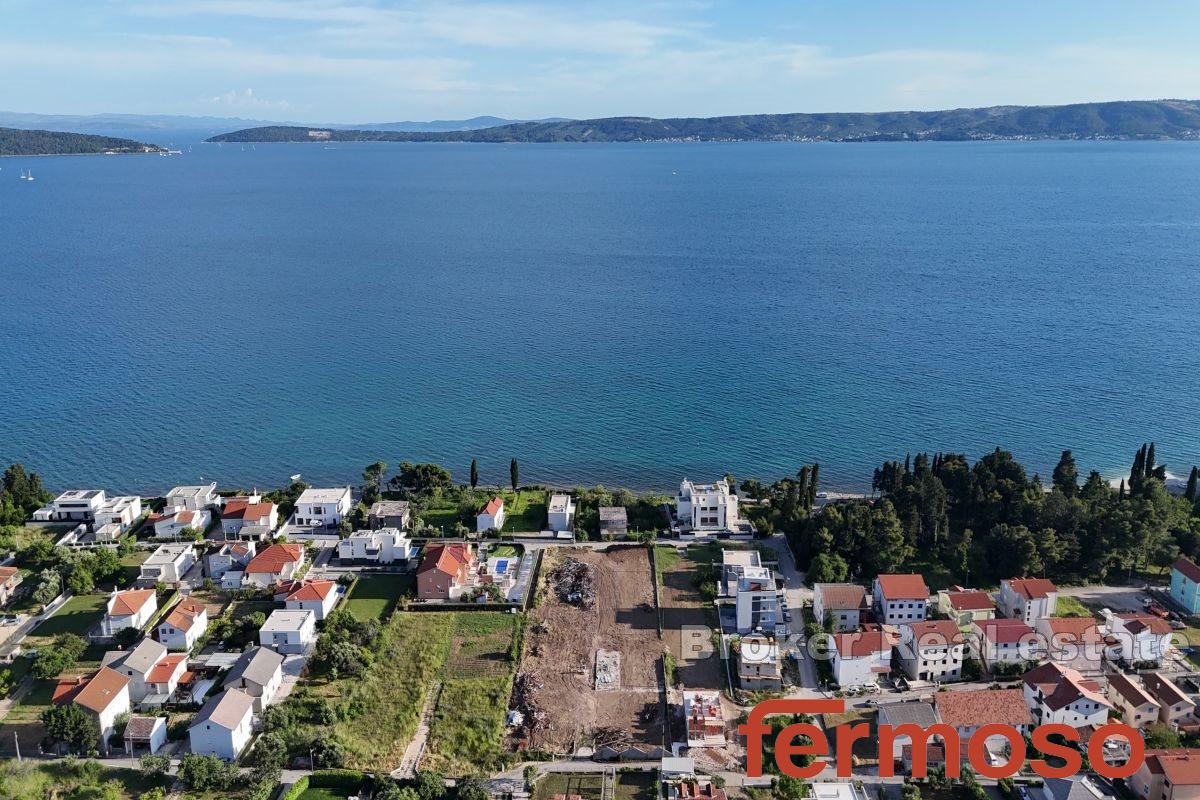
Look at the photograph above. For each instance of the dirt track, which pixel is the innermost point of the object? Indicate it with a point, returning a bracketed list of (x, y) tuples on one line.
[(562, 656)]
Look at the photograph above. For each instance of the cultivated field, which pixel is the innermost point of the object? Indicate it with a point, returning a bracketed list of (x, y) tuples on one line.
[(560, 649)]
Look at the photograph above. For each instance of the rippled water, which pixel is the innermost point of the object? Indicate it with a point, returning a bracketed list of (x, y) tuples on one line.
[(620, 313)]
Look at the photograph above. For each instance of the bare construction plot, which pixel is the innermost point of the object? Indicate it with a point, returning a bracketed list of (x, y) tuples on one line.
[(572, 639)]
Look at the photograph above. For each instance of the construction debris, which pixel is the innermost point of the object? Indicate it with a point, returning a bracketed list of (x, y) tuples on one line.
[(575, 582), (526, 688), (608, 670)]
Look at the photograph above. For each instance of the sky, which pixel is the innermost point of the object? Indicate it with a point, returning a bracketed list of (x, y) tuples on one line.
[(385, 60)]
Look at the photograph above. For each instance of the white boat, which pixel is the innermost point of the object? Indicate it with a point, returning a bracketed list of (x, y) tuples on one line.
[(27, 176)]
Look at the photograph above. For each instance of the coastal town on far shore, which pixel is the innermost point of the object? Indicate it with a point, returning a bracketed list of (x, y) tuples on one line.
[(412, 637)]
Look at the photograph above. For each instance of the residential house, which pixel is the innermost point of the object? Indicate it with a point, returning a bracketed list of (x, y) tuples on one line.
[(318, 597), (1138, 639), (757, 601), (183, 625), (734, 564), (168, 564), (222, 728), (900, 599), (1137, 707), (229, 556), (1074, 642), (75, 505), (1075, 787), (758, 664), (145, 733), (1027, 599), (862, 658), (129, 609), (287, 631), (704, 717), (389, 514), (173, 521), (560, 514), (239, 512), (322, 508), (671, 767), (694, 787), (10, 579), (614, 522), (136, 665), (277, 562), (1060, 695), (707, 507), (1004, 645), (378, 546), (446, 571), (492, 517), (1167, 775), (1174, 707), (259, 673), (966, 606), (163, 679), (104, 695), (966, 710), (845, 604), (1185, 584), (193, 498), (931, 650), (116, 515), (910, 713)]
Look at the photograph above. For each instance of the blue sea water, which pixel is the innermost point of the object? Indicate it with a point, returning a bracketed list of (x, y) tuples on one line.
[(625, 314)]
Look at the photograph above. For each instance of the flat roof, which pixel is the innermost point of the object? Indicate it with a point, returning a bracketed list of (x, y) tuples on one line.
[(78, 494), (286, 620), (741, 558), (323, 495), (167, 553), (559, 502), (192, 491)]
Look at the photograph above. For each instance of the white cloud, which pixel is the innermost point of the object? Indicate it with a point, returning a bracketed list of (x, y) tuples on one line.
[(245, 99)]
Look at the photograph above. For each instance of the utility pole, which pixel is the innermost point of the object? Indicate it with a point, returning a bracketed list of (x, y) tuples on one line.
[(17, 742)]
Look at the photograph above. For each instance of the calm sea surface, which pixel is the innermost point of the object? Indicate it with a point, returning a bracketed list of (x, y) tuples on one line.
[(625, 314)]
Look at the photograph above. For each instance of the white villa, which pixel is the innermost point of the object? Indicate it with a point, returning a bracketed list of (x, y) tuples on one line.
[(492, 516), (288, 631), (183, 625), (382, 546), (561, 512), (1027, 599), (168, 564), (193, 498), (322, 508), (222, 728), (708, 507)]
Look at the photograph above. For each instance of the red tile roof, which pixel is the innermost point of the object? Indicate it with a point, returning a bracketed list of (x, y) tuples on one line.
[(494, 505), (970, 600), (101, 689), (1062, 686), (163, 670), (276, 557), (862, 643), (313, 590), (1136, 623), (1032, 588), (1131, 690), (936, 632), (446, 558), (6, 573), (1004, 631), (126, 604), (972, 707), (841, 596), (241, 508), (1179, 765), (903, 587), (184, 615), (1188, 568)]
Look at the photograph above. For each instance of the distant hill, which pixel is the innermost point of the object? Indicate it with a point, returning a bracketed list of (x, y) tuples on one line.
[(16, 142), (441, 125), (1132, 119)]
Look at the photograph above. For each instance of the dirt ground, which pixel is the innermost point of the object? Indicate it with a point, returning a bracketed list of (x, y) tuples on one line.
[(560, 648), (697, 666)]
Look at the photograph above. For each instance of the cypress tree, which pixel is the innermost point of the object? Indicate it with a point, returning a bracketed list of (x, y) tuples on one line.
[(1190, 492), (1121, 491), (813, 481), (802, 491), (514, 474), (1150, 460), (474, 473)]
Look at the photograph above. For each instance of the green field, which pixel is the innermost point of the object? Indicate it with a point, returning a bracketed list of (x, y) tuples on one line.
[(78, 615), (323, 793), (524, 511), (376, 596), (505, 551), (1071, 607), (589, 785), (78, 779)]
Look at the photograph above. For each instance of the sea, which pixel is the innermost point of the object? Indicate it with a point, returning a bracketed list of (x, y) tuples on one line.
[(625, 314)]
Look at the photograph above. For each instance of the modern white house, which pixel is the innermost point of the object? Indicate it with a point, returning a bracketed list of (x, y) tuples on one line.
[(1138, 638), (931, 650), (183, 625), (900, 599), (118, 512), (105, 696), (560, 514), (288, 631), (757, 603), (222, 728), (492, 517), (259, 673), (168, 564), (129, 609), (278, 562), (734, 564), (1027, 599), (74, 505), (318, 597), (173, 521), (861, 658), (1060, 695), (842, 603), (229, 556), (193, 498), (381, 546), (706, 507), (322, 508), (241, 512)]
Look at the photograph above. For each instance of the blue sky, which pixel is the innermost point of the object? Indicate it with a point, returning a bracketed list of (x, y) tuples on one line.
[(384, 60)]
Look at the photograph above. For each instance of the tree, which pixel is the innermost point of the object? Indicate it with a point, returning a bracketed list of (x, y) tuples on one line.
[(1160, 737), (206, 773), (431, 785), (471, 788), (827, 568), (71, 725), (1190, 492), (474, 473), (60, 656), (514, 474), (420, 479), (155, 765), (1066, 475), (49, 586), (372, 478)]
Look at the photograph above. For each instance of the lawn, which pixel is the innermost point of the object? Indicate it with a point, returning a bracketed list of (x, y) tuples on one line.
[(323, 793), (505, 551), (590, 785), (446, 517), (1071, 607), (524, 511), (78, 779), (35, 701), (666, 557), (376, 596), (78, 615)]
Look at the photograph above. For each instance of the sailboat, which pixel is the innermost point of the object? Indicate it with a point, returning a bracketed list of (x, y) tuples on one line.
[(27, 176)]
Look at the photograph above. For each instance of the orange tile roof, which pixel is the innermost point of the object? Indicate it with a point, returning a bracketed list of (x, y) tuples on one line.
[(903, 587), (1004, 631), (314, 590), (1180, 766), (841, 596), (972, 707), (1032, 588), (865, 643), (446, 558), (185, 614), (163, 670), (1136, 623), (241, 508), (276, 557), (936, 632), (103, 687), (128, 603), (494, 505), (1062, 686), (6, 573), (970, 600)]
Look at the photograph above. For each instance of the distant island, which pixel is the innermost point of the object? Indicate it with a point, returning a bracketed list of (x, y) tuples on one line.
[(1132, 119), (15, 142)]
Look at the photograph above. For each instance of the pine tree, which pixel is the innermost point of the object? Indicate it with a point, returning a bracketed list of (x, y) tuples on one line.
[(474, 473), (514, 474), (1066, 475)]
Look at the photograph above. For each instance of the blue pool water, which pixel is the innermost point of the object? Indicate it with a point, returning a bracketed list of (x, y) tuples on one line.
[(626, 314)]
